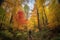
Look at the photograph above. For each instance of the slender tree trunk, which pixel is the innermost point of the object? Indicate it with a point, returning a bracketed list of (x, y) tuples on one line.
[(11, 19), (45, 17), (38, 20), (39, 27)]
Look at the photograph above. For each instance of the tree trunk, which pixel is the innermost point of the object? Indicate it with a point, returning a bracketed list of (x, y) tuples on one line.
[(38, 20), (45, 17)]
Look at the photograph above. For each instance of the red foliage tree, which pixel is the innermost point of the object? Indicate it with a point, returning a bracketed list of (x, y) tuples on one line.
[(20, 18)]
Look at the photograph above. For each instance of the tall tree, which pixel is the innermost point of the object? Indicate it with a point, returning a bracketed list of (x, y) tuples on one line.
[(41, 10)]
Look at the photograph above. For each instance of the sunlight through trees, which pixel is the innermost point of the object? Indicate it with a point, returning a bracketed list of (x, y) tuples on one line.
[(30, 20)]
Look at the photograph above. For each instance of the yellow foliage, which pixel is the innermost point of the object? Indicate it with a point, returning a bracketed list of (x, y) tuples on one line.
[(51, 11)]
